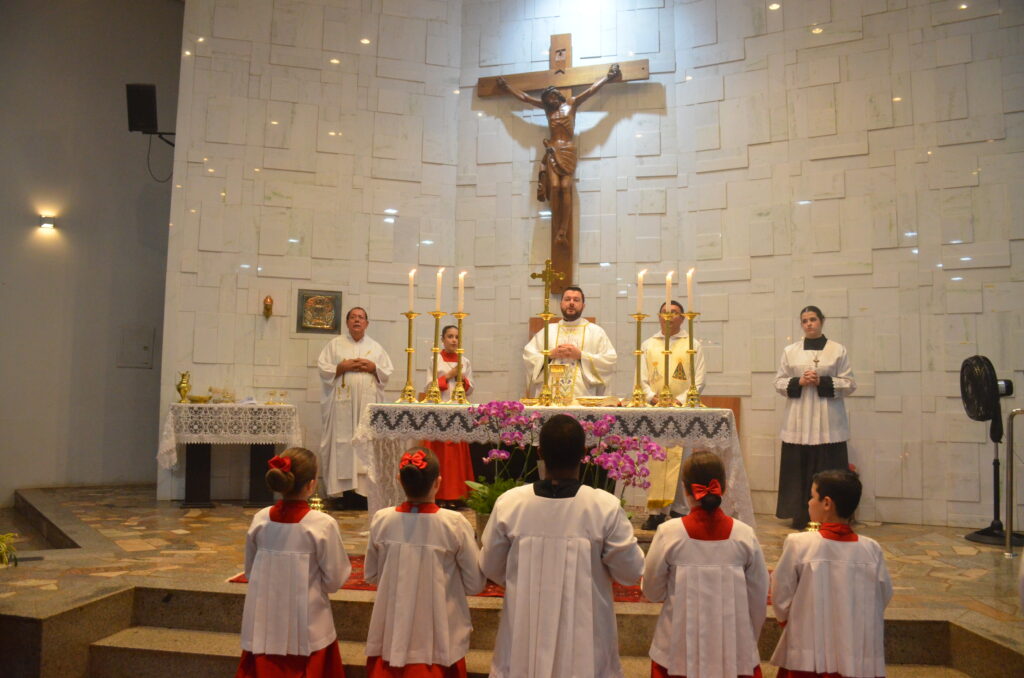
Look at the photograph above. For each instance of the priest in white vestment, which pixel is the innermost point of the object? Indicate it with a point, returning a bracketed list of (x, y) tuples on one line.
[(353, 372), (556, 546), (580, 345), (666, 495)]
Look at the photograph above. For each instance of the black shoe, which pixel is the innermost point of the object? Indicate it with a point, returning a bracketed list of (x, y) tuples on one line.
[(653, 521)]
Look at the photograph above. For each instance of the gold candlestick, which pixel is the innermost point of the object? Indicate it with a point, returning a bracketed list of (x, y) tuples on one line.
[(409, 392), (433, 394), (692, 394), (638, 399), (665, 397), (544, 398), (459, 391)]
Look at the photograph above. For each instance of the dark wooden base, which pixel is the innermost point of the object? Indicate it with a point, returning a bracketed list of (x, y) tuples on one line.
[(197, 476), (259, 494)]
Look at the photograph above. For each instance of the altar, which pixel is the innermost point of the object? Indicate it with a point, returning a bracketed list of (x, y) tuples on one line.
[(388, 429)]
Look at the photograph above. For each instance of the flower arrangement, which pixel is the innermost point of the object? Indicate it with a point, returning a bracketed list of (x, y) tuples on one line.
[(615, 458), (8, 553)]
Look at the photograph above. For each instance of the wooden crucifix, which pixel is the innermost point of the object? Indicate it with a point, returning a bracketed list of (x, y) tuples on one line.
[(558, 166)]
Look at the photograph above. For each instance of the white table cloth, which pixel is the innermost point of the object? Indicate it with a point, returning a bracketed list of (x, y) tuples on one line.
[(388, 429), (227, 424)]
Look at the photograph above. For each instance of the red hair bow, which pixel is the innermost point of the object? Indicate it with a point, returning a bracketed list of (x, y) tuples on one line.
[(701, 491), (417, 459), (282, 463)]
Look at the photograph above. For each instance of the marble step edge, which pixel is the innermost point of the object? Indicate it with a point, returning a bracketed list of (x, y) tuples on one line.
[(147, 644)]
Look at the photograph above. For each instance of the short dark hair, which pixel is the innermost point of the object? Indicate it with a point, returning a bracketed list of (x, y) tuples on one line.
[(702, 467), (444, 330), (356, 308), (417, 481), (813, 309), (583, 297), (551, 89), (673, 303), (562, 442), (843, 486)]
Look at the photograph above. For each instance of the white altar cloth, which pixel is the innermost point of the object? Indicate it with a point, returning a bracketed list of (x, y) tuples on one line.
[(388, 429), (227, 424)]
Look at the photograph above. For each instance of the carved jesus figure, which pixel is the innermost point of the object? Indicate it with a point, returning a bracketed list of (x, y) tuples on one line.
[(558, 167)]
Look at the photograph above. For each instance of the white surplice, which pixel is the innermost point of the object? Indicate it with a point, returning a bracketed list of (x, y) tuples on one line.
[(556, 558), (291, 567), (715, 597), (590, 374), (832, 596), (341, 404), (443, 366), (812, 419), (426, 564)]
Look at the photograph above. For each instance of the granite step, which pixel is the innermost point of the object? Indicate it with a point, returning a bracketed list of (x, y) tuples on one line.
[(155, 652)]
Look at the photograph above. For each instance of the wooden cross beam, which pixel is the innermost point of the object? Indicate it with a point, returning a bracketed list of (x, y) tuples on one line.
[(561, 73)]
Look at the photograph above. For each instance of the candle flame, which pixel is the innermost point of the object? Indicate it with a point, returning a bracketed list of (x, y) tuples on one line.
[(641, 274), (690, 272), (668, 278), (462, 275), (439, 272)]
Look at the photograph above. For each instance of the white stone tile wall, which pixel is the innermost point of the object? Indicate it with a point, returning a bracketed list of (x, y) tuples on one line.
[(874, 168)]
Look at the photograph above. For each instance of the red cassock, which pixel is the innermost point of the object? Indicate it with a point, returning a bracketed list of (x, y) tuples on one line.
[(456, 465)]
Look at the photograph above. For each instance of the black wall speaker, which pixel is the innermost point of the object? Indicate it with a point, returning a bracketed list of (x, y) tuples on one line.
[(142, 108)]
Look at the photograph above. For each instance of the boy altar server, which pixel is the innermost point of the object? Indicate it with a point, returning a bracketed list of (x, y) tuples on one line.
[(555, 546), (830, 590)]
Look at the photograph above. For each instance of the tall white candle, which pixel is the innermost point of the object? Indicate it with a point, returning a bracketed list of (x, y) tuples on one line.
[(462, 290), (412, 288), (640, 291), (689, 290), (668, 291), (440, 275)]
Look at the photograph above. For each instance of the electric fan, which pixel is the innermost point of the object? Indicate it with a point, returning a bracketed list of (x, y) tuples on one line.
[(980, 391)]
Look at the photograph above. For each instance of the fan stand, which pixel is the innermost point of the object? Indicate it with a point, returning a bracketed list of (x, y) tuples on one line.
[(995, 533)]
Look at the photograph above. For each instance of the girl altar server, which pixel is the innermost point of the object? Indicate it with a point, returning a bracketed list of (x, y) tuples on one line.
[(456, 465), (830, 590), (815, 377), (424, 560), (294, 558), (709, 570)]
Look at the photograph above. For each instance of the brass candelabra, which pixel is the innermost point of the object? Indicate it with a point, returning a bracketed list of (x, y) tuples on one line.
[(665, 397), (459, 390), (433, 394), (545, 398), (638, 399), (409, 391), (692, 394)]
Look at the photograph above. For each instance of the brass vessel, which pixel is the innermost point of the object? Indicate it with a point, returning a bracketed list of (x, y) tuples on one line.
[(183, 386)]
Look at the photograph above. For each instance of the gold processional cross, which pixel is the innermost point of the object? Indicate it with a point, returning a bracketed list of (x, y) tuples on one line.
[(558, 164)]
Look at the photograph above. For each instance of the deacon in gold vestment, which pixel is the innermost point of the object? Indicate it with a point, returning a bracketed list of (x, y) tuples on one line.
[(666, 495)]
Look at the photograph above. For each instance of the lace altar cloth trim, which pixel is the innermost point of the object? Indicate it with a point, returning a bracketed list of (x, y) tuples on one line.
[(227, 424), (387, 429)]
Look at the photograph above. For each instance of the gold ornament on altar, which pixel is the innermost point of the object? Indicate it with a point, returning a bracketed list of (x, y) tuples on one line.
[(549, 275), (316, 503), (183, 386)]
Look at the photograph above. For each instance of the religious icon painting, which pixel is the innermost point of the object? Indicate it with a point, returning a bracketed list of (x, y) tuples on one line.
[(318, 312)]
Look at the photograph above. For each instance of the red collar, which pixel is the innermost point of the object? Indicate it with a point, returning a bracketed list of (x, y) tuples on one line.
[(409, 507), (450, 357), (289, 511), (707, 525), (837, 532)]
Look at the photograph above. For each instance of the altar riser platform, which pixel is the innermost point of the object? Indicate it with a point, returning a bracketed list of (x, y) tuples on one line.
[(143, 632)]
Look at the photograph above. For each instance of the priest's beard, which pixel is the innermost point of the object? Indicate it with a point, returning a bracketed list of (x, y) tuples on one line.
[(570, 317)]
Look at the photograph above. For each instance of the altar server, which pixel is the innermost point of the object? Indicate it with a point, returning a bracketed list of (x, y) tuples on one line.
[(830, 590), (580, 345), (425, 562), (353, 372), (294, 558), (815, 377), (666, 495), (556, 546), (709, 570), (456, 465)]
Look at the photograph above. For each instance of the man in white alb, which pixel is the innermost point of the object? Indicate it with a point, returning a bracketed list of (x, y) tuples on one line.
[(667, 496), (353, 371), (580, 345)]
